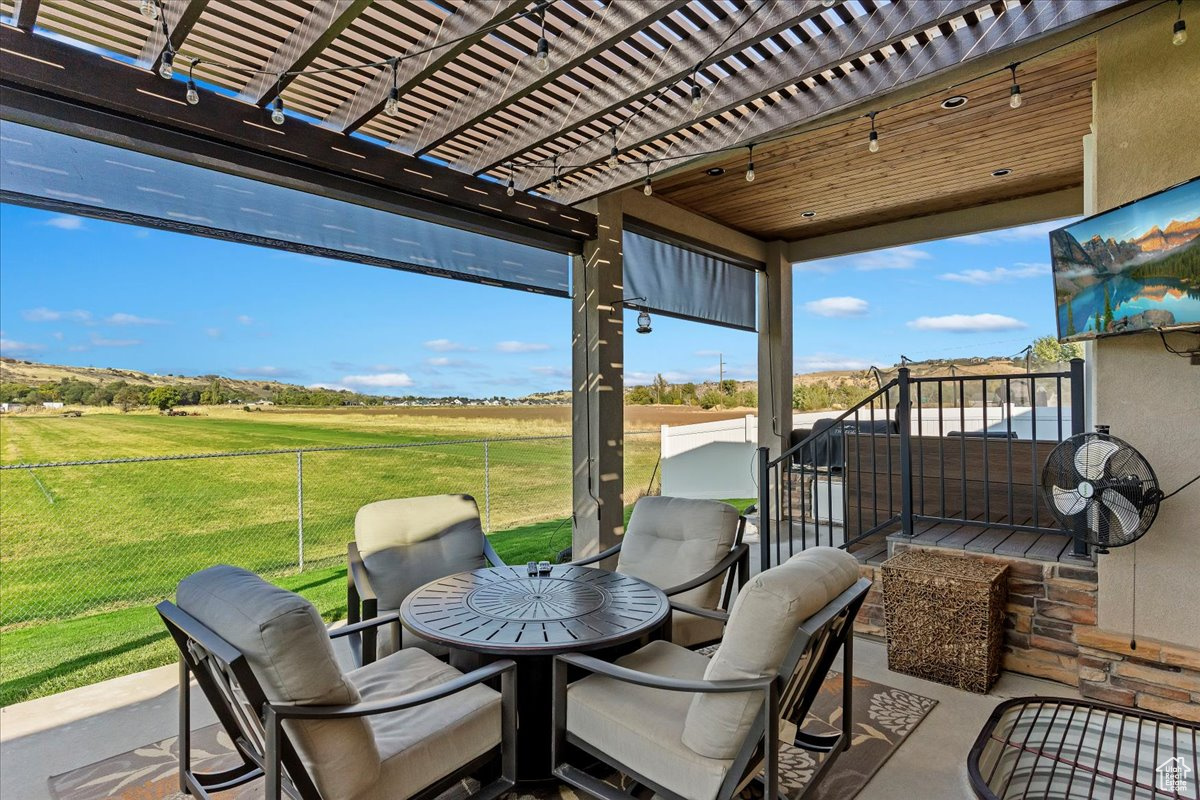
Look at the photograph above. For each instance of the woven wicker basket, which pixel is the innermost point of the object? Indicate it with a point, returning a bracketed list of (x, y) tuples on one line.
[(945, 618)]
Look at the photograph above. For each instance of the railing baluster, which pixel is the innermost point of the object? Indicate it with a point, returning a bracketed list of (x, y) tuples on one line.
[(962, 444), (987, 486), (1033, 460), (942, 443), (874, 473), (1008, 407), (921, 439), (904, 420), (764, 508)]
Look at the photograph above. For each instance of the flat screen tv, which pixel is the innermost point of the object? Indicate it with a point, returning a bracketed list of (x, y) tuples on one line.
[(1132, 268)]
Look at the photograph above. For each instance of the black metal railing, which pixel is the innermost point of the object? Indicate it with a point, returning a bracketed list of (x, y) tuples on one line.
[(918, 452)]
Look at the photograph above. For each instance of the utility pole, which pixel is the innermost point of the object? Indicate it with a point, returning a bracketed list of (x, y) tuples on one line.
[(721, 368)]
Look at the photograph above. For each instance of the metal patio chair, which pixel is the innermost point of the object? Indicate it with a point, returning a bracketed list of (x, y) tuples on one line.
[(688, 728), (407, 726), (693, 551), (400, 545)]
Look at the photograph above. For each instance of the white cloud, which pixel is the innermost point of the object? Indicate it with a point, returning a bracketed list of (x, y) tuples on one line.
[(1025, 233), (335, 387), (212, 333), (552, 372), (984, 277), (824, 362), (11, 347), (121, 318), (101, 341), (385, 380), (837, 307), (708, 353), (440, 361), (245, 319), (894, 258), (65, 223), (268, 372), (446, 346), (967, 323), (42, 314), (521, 347)]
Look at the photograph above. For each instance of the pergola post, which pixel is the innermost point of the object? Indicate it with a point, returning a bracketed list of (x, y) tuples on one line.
[(598, 385), (775, 350)]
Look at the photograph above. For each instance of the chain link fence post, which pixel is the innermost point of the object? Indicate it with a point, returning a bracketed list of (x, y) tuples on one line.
[(300, 508), (487, 489)]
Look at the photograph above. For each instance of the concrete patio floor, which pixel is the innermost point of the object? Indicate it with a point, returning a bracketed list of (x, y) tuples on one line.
[(52, 735)]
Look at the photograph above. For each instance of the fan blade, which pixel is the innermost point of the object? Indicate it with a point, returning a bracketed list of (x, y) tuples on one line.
[(1068, 501), (1092, 456), (1125, 512)]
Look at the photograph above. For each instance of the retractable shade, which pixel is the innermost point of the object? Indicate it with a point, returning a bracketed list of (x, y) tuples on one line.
[(682, 282), (53, 170)]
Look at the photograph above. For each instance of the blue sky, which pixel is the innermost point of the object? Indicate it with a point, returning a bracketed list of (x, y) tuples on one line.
[(91, 293)]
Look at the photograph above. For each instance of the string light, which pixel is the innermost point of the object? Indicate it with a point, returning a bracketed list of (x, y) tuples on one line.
[(614, 155), (873, 138), (750, 166), (541, 59), (1179, 32), (1014, 93), (648, 189), (512, 186), (149, 9), (697, 95), (554, 168), (193, 96), (392, 106), (277, 104), (166, 67)]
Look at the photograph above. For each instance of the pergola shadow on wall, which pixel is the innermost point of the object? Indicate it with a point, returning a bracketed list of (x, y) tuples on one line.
[(450, 148)]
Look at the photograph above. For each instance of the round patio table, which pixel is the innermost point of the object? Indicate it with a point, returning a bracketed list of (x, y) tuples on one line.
[(504, 612)]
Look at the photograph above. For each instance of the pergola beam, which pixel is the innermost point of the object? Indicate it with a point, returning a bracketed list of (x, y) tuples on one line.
[(25, 13), (614, 23), (460, 31), (719, 41), (180, 17), (837, 46), (962, 46), (315, 32)]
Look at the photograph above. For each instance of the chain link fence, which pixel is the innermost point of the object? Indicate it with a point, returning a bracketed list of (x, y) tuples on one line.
[(84, 537)]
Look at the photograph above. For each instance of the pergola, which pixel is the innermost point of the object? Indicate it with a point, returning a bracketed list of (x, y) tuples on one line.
[(645, 118)]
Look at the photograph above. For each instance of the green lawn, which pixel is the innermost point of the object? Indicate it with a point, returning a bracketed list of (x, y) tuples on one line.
[(44, 659)]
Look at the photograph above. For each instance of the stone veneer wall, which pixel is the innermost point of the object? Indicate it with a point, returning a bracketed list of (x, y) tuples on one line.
[(1050, 632)]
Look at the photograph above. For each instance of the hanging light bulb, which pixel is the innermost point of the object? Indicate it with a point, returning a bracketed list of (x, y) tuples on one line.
[(614, 155), (541, 59), (697, 96), (1179, 32), (511, 189), (554, 172), (648, 188), (166, 67), (193, 96), (873, 138), (750, 166), (149, 9), (643, 323), (392, 106), (277, 111), (1014, 93)]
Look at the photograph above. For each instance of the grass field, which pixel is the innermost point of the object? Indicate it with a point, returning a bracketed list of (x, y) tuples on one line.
[(87, 550)]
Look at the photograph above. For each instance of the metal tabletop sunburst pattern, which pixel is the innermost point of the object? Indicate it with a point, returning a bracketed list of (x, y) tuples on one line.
[(505, 609)]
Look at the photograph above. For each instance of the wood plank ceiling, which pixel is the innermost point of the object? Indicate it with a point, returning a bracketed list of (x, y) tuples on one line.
[(930, 159), (476, 103)]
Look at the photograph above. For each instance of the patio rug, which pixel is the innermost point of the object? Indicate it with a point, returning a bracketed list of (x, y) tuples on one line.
[(883, 717)]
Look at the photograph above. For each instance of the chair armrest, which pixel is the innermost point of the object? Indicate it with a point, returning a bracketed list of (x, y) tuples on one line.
[(398, 703), (358, 573), (721, 567), (612, 551), (490, 553), (750, 509), (707, 613), (373, 622), (653, 681)]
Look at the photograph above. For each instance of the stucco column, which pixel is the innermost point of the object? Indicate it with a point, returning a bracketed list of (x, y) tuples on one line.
[(598, 386), (775, 350)]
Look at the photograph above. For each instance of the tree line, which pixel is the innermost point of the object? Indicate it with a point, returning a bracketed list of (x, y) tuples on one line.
[(128, 396)]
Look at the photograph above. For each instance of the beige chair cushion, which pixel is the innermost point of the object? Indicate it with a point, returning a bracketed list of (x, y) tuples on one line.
[(762, 624), (287, 648), (690, 630), (408, 542), (642, 727), (421, 745), (671, 540)]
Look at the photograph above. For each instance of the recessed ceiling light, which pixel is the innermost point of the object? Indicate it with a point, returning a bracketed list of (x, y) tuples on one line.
[(808, 214), (951, 103), (715, 171), (1000, 173)]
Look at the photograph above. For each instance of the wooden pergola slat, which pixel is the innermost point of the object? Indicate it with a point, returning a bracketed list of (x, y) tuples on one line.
[(315, 32), (969, 43), (464, 28), (25, 13), (180, 16)]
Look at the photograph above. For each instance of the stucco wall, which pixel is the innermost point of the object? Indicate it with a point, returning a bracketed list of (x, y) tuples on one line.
[(1147, 123)]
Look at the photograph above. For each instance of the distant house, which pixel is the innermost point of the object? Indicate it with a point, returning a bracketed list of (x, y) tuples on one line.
[(12, 407), (50, 404)]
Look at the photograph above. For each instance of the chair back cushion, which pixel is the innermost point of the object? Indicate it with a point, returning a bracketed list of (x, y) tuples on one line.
[(407, 543), (671, 540), (287, 647), (762, 625)]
